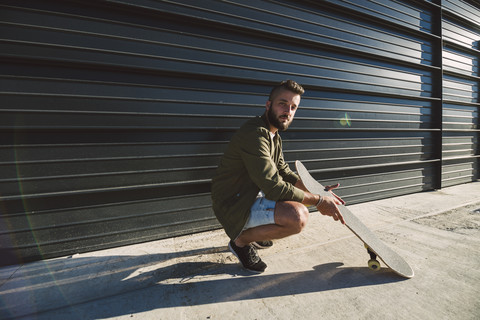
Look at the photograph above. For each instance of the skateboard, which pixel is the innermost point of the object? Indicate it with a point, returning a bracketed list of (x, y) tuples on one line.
[(375, 247)]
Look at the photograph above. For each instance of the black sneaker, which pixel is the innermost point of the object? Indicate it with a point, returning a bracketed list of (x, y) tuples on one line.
[(263, 244), (248, 257)]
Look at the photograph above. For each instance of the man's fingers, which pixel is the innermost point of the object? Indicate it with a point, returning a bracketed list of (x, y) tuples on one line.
[(333, 186), (340, 217), (329, 208), (330, 188), (338, 198)]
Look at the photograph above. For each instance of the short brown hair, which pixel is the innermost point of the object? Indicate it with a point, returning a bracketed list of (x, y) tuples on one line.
[(289, 85)]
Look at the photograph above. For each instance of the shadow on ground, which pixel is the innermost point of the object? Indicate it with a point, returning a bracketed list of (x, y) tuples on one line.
[(100, 287)]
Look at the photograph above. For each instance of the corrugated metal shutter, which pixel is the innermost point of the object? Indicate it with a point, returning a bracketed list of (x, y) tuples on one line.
[(461, 44), (114, 113)]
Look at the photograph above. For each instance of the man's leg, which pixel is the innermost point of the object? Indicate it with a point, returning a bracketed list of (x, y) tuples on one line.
[(290, 218)]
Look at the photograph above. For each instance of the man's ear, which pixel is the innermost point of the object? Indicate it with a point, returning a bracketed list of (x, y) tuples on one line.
[(268, 104)]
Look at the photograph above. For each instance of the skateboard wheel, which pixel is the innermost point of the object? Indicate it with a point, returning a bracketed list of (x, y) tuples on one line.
[(373, 265)]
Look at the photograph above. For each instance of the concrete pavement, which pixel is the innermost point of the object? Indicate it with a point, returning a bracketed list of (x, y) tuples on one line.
[(318, 274)]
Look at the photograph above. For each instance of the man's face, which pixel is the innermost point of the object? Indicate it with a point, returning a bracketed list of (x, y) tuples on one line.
[(281, 110)]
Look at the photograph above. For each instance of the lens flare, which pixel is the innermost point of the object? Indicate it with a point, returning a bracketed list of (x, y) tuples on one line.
[(346, 121)]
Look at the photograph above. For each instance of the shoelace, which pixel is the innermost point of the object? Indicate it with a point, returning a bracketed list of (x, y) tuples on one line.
[(252, 254)]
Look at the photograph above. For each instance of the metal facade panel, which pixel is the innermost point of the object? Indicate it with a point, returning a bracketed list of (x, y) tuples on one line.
[(461, 39), (115, 113)]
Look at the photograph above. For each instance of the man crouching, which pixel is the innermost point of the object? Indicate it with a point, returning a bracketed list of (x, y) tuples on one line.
[(255, 195)]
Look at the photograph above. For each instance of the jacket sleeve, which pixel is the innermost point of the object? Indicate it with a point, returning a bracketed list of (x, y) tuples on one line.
[(256, 153)]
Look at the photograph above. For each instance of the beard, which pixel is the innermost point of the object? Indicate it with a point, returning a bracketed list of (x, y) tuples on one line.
[(274, 121)]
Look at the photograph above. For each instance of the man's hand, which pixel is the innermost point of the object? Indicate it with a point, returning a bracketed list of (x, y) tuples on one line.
[(328, 206), (330, 188)]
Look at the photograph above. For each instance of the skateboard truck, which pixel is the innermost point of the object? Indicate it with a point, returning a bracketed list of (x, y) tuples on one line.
[(373, 263)]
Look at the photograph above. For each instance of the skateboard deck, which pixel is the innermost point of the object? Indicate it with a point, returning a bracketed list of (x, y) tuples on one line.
[(375, 247)]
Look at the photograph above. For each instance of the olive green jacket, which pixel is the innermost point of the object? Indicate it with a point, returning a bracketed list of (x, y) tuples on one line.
[(252, 162)]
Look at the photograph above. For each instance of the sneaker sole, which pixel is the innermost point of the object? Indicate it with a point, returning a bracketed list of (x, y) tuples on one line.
[(249, 270)]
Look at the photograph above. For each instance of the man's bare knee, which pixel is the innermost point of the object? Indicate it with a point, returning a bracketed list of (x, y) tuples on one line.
[(294, 216), (301, 217)]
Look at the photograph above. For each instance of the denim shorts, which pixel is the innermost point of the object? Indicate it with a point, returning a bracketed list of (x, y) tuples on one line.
[(261, 213)]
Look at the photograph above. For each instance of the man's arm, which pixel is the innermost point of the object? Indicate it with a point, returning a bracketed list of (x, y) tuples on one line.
[(255, 153), (327, 206)]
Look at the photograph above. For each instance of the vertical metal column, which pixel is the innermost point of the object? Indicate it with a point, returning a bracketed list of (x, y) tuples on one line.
[(437, 92)]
